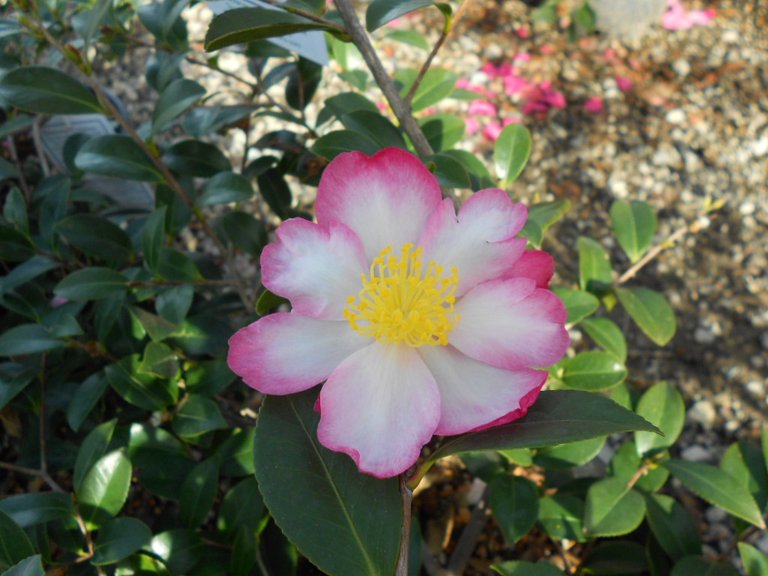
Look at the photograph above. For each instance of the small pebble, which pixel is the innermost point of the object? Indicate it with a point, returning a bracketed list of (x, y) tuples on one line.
[(696, 454), (715, 515), (702, 412), (676, 116)]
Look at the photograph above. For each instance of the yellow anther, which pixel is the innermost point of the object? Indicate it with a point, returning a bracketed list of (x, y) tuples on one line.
[(403, 302)]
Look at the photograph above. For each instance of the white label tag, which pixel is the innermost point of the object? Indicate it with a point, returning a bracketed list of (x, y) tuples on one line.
[(310, 45)]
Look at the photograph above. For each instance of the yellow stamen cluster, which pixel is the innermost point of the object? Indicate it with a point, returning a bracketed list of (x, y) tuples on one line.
[(404, 303)]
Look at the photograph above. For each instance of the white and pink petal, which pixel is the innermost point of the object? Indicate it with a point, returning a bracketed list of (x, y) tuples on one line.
[(511, 324), (386, 199), (287, 352), (534, 264), (317, 268), (474, 394), (380, 406)]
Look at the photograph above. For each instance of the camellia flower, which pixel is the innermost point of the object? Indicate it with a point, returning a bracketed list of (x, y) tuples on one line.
[(420, 321)]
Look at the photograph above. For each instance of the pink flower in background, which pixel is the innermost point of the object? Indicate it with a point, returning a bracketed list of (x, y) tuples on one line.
[(594, 104), (539, 98), (514, 84), (625, 84), (420, 321), (464, 84), (523, 32), (492, 131), (497, 71), (471, 125), (678, 18), (482, 108)]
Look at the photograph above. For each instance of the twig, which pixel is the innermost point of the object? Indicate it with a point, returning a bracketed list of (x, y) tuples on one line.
[(405, 536), (306, 14), (55, 486), (447, 27), (39, 147), (468, 539), (566, 564), (17, 163), (399, 107)]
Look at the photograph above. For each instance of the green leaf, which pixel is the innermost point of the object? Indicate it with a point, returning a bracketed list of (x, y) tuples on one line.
[(626, 463), (104, 489), (117, 156), (140, 389), (672, 526), (579, 304), (23, 273), (268, 301), (436, 85), (410, 38), (755, 562), (196, 158), (616, 558), (15, 210), (511, 152), (91, 284), (158, 328), (557, 417), (449, 171), (744, 461), (612, 508), (521, 568), (14, 543), (180, 549), (301, 479), (92, 449), (198, 416), (593, 370), (380, 12), (479, 177), (28, 339), (235, 454), (244, 230), (159, 360), (568, 455), (698, 566), (443, 131), (206, 120), (88, 22), (374, 126), (96, 237), (118, 539), (650, 311), (14, 378), (160, 458), (334, 143), (84, 399), (175, 99), (634, 225), (198, 492), (514, 501), (31, 509), (242, 507), (244, 553), (225, 187), (7, 170), (303, 82), (153, 237), (560, 516), (44, 90), (177, 266), (663, 406), (718, 488), (345, 103), (541, 217), (608, 335), (173, 304), (275, 191), (251, 24), (31, 566), (209, 377), (595, 273)]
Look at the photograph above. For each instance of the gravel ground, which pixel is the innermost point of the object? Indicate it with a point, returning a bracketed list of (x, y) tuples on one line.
[(691, 130)]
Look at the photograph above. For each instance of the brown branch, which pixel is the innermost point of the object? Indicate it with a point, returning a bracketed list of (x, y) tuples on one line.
[(405, 537), (447, 27)]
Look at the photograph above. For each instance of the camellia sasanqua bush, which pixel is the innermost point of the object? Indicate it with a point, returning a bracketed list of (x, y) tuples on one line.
[(404, 315)]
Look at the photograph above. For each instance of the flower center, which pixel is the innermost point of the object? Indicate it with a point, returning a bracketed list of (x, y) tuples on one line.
[(402, 302)]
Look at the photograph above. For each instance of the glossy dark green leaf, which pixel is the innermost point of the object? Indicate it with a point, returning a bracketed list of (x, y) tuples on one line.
[(206, 120), (612, 508), (374, 126), (755, 562), (595, 273), (745, 463), (663, 406), (699, 566), (626, 463), (208, 377), (244, 553), (607, 335), (380, 12), (197, 416), (672, 525), (410, 38), (14, 377), (450, 172), (521, 568), (436, 85), (275, 191), (578, 304), (242, 507), (23, 273), (268, 302), (235, 454), (117, 156), (560, 516), (14, 542), (140, 389), (593, 370), (511, 152), (634, 225), (92, 449), (718, 488), (541, 217), (175, 99), (15, 210), (303, 82), (160, 458), (198, 492), (569, 455), (28, 339), (31, 566), (96, 237), (617, 557), (156, 327), (479, 177), (245, 231), (7, 170), (251, 24), (174, 303), (118, 539), (85, 398), (32, 509), (225, 187), (203, 334), (345, 103), (650, 311), (88, 22), (44, 90), (180, 549), (334, 143), (159, 360), (443, 131), (514, 501), (177, 266), (153, 237), (196, 158), (557, 417), (300, 479), (104, 489)]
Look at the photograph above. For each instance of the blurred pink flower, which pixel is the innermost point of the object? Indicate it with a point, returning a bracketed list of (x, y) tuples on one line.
[(492, 131), (471, 125), (464, 84), (523, 32), (419, 321), (594, 105), (482, 108), (625, 84), (678, 18)]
